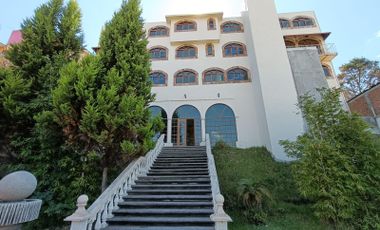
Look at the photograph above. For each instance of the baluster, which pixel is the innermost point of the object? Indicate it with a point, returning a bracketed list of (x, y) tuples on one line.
[(105, 216), (90, 224), (98, 224), (110, 208)]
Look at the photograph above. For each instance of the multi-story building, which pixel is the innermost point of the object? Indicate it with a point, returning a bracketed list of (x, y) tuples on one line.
[(237, 79)]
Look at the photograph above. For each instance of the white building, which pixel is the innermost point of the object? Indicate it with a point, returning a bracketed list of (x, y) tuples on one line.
[(239, 78)]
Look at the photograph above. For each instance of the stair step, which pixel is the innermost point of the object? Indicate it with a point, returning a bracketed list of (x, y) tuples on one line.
[(180, 170), (177, 173), (171, 221), (168, 192), (179, 177), (146, 227), (163, 211), (168, 197), (178, 167), (180, 164), (166, 204), (172, 186), (164, 182)]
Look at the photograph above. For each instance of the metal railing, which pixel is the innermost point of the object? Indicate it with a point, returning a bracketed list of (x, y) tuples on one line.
[(325, 49)]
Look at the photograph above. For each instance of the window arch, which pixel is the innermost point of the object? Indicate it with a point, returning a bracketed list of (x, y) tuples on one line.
[(186, 77), (186, 126), (158, 53), (232, 27), (303, 22), (210, 50), (157, 111), (221, 124), (234, 49), (310, 43), (159, 31), (326, 71), (211, 24), (213, 75), (185, 26), (237, 74), (284, 23), (290, 44), (187, 52), (158, 78)]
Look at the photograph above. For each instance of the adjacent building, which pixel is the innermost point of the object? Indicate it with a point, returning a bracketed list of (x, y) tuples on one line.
[(237, 79)]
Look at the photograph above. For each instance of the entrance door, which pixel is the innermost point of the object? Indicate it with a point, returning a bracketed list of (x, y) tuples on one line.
[(185, 132)]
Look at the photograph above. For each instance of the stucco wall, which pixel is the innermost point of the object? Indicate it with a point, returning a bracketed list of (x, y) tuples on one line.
[(307, 71)]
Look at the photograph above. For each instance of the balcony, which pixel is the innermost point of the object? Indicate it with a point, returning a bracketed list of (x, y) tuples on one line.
[(327, 51)]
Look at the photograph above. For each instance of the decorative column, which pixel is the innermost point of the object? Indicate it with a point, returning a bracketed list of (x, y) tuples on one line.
[(169, 133), (79, 218), (220, 218), (203, 128)]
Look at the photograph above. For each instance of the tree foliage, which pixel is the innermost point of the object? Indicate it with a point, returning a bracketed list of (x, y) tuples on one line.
[(338, 163), (359, 75)]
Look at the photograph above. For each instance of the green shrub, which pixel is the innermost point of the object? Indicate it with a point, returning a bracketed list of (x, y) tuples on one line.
[(256, 200), (339, 163)]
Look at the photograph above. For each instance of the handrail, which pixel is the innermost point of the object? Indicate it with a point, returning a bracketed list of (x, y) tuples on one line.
[(220, 218), (95, 217)]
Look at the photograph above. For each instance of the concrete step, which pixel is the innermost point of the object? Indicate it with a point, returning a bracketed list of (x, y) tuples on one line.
[(179, 177), (171, 186), (147, 227), (168, 198), (166, 221), (177, 173), (163, 212), (168, 192), (180, 158), (178, 167), (166, 204), (172, 181), (180, 164), (180, 170)]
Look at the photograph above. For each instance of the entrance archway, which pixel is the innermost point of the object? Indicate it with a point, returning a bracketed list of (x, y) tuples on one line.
[(221, 124), (157, 111), (186, 126)]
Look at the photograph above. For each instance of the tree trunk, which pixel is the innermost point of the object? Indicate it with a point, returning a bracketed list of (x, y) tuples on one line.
[(104, 178)]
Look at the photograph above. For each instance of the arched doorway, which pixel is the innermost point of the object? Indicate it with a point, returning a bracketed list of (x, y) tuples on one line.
[(157, 111), (186, 126), (221, 124)]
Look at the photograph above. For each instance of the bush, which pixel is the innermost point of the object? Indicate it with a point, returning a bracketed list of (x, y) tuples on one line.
[(339, 163), (256, 200)]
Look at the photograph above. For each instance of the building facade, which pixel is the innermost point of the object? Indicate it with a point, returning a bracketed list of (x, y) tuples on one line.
[(237, 79)]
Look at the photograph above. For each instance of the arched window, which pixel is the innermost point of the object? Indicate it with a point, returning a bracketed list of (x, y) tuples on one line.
[(290, 44), (213, 76), (303, 22), (234, 50), (237, 74), (211, 24), (310, 43), (158, 78), (284, 23), (326, 71), (159, 31), (186, 52), (158, 53), (157, 111), (185, 77), (232, 27), (186, 126), (185, 26), (210, 50), (221, 124)]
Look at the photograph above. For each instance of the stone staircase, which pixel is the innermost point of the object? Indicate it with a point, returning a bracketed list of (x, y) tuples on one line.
[(174, 195)]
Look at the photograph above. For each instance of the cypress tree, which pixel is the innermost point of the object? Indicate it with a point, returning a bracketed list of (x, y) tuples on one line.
[(101, 103)]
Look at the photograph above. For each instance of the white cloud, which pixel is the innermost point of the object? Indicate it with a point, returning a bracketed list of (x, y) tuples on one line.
[(378, 34)]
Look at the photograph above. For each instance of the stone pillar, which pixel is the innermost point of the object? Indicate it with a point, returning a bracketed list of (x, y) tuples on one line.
[(203, 128), (169, 133)]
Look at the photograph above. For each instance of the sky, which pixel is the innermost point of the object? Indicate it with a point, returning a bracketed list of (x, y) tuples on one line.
[(354, 25)]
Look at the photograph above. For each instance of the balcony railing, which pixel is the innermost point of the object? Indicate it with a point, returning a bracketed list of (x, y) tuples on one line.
[(326, 51)]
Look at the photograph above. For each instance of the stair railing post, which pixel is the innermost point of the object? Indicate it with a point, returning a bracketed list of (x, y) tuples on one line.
[(220, 218), (79, 218)]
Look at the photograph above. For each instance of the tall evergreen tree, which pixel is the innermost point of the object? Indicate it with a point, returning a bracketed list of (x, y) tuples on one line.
[(102, 102)]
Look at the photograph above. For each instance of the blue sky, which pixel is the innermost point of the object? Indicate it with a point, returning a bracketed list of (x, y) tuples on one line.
[(354, 24)]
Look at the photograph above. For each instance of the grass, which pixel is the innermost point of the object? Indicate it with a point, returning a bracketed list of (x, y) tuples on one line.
[(290, 211)]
